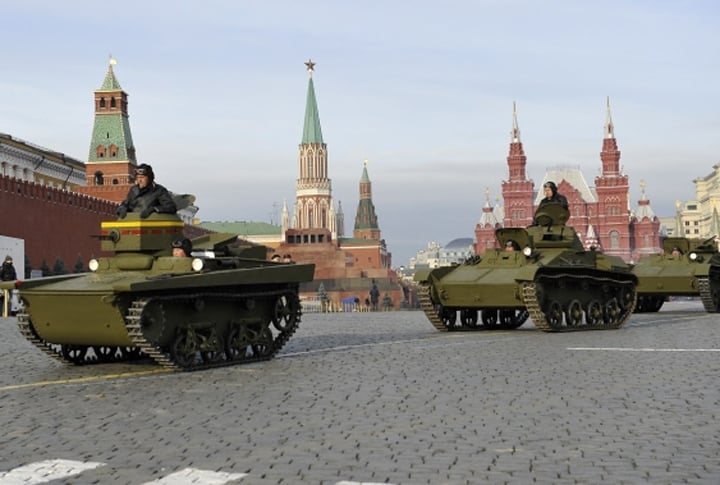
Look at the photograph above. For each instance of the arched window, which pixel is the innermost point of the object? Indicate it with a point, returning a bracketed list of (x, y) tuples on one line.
[(113, 103), (614, 240), (100, 150), (102, 102), (99, 179)]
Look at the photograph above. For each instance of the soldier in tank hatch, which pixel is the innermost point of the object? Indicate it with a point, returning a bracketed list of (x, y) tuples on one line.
[(146, 197), (552, 195), (181, 248)]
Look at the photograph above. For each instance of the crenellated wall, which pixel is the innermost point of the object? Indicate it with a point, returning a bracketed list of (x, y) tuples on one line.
[(54, 223)]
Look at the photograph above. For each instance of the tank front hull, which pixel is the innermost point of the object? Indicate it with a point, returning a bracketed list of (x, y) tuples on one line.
[(79, 319)]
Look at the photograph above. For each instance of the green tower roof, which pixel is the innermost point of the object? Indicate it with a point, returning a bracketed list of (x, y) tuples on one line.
[(110, 83), (312, 133)]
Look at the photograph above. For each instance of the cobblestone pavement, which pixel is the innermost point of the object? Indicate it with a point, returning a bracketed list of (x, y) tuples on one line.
[(384, 398)]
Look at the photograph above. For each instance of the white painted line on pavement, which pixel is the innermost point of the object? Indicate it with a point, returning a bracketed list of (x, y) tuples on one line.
[(193, 476), (45, 471), (630, 349)]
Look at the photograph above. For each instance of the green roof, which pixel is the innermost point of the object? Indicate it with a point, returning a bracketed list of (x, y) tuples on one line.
[(312, 133), (110, 83)]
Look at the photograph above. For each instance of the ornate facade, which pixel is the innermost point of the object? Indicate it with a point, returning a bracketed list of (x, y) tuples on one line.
[(601, 214)]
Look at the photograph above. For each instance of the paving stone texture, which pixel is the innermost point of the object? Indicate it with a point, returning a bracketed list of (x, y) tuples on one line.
[(385, 398)]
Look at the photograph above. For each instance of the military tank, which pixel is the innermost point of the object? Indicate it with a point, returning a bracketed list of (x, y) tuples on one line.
[(681, 270), (551, 278), (224, 305), (714, 282)]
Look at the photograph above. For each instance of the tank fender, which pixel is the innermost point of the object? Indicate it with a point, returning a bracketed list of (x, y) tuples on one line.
[(422, 274), (526, 273)]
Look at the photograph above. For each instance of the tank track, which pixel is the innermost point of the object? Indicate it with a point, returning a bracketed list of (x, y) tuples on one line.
[(27, 331), (532, 304), (539, 317), (706, 295), (428, 307), (134, 318), (143, 348)]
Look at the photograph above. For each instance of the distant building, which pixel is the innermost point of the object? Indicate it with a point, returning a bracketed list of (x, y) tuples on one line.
[(456, 251), (601, 215), (436, 256), (314, 233), (700, 217)]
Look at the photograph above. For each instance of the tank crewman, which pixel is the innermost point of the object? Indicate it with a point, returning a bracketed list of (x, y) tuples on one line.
[(676, 252), (181, 248), (511, 246), (146, 196), (552, 195)]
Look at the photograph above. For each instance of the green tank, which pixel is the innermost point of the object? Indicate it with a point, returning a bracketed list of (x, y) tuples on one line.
[(714, 282), (225, 305), (685, 274), (551, 278)]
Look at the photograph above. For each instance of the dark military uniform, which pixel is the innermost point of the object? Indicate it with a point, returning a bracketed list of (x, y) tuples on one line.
[(146, 200)]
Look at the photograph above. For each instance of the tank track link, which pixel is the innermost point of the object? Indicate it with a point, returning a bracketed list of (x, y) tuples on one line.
[(27, 331), (706, 295), (539, 317), (428, 307), (165, 359)]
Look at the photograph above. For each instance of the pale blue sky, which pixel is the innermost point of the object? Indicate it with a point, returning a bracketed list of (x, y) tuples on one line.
[(421, 89)]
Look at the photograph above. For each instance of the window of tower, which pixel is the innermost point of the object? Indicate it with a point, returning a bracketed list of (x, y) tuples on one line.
[(100, 151), (113, 103), (102, 102), (115, 181), (113, 150)]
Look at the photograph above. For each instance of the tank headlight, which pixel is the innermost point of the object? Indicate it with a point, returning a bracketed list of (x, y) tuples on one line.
[(693, 256), (93, 265), (197, 264), (527, 251)]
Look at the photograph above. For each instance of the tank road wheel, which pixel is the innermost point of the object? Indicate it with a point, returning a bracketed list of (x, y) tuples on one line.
[(448, 317), (715, 296), (262, 343), (469, 317), (574, 314), (286, 312), (656, 303), (593, 312), (74, 353), (640, 305), (237, 343), (184, 348), (554, 314), (612, 311), (105, 354), (489, 317), (626, 297), (213, 349), (511, 319)]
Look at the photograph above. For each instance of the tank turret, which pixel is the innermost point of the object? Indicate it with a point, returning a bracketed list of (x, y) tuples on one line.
[(224, 305), (541, 271)]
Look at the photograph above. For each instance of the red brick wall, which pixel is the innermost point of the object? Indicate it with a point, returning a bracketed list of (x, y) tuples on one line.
[(54, 223)]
